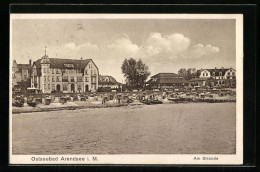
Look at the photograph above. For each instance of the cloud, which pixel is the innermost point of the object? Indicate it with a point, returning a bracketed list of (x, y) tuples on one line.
[(71, 50), (123, 47), (172, 45), (199, 50), (73, 46)]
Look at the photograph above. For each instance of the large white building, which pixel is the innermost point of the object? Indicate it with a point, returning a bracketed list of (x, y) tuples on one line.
[(66, 75), (225, 77)]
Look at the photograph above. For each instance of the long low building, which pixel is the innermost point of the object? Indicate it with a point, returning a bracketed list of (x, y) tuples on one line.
[(167, 81), (66, 75)]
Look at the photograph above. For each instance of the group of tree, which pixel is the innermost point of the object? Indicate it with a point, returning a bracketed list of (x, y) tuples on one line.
[(135, 72), (188, 73)]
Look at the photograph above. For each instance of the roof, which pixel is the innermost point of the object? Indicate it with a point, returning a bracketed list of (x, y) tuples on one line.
[(217, 71), (173, 80), (24, 67), (102, 80), (163, 75), (198, 79), (59, 63)]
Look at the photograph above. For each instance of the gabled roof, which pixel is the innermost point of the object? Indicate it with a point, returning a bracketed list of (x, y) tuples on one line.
[(59, 63), (164, 78), (111, 80), (217, 71), (24, 67), (165, 75)]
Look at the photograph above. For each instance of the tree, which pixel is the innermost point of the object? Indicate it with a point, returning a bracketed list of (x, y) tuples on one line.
[(191, 73), (187, 74), (135, 72), (182, 72)]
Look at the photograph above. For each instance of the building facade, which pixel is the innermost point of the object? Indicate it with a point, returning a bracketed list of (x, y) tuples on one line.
[(167, 81), (64, 75), (223, 77), (21, 75)]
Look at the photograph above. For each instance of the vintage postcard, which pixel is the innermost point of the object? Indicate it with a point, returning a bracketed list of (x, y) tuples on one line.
[(126, 89)]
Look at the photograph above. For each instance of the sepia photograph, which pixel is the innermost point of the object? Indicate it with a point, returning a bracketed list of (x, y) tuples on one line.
[(126, 89)]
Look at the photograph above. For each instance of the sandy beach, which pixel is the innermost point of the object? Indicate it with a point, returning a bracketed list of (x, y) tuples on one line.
[(191, 128)]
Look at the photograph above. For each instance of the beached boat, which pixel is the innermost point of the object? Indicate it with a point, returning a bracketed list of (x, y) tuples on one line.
[(147, 102), (176, 99), (156, 102)]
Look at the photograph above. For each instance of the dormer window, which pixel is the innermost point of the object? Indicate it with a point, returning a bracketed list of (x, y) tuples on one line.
[(220, 73), (213, 74), (69, 65)]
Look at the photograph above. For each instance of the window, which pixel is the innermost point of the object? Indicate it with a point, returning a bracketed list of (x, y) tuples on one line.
[(213, 74), (206, 74), (86, 79), (233, 73), (65, 87), (44, 70), (86, 72), (53, 71), (89, 66), (79, 79), (57, 71), (69, 65), (228, 73), (72, 79), (94, 80), (79, 87), (220, 73), (53, 79), (47, 70), (49, 86), (64, 79), (48, 78), (53, 87), (45, 87), (44, 78), (203, 74), (58, 79)]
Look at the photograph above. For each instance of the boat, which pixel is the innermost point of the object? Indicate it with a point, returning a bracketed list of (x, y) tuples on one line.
[(31, 103), (156, 102), (147, 102), (175, 99)]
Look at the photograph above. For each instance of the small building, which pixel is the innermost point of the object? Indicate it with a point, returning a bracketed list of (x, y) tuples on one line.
[(199, 82), (21, 75), (106, 81), (167, 81)]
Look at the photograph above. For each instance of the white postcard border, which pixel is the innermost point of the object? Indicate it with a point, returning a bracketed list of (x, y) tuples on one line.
[(206, 159)]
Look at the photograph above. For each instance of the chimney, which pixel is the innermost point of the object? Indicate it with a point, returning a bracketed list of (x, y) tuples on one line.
[(30, 62)]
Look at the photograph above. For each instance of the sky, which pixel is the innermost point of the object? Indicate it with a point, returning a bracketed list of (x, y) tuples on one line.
[(165, 45)]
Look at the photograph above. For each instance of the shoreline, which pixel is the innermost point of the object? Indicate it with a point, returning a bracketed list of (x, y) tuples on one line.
[(75, 106)]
